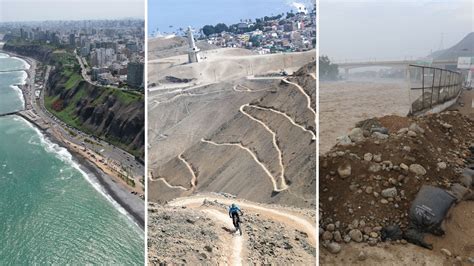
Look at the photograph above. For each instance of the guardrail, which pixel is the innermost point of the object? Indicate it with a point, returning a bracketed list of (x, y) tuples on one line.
[(431, 87)]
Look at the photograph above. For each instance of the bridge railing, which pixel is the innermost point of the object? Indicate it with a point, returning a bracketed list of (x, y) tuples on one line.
[(432, 86)]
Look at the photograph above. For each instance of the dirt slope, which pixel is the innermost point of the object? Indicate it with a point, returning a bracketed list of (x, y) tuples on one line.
[(198, 230), (355, 178), (258, 142)]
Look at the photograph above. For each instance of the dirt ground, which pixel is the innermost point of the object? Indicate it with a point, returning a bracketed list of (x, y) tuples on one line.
[(458, 239), (342, 104)]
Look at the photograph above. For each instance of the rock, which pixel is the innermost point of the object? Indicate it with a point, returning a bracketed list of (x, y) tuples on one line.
[(208, 248), (191, 221), (369, 190), (471, 260), (404, 166), (356, 235), (356, 135), (446, 252), (411, 133), (327, 235), (416, 128), (343, 140), (379, 135), (382, 130), (407, 148), (337, 236), (402, 130), (384, 201), (466, 181), (459, 191), (442, 165), (447, 126), (362, 256), (417, 169), (374, 235), (347, 238), (389, 192), (374, 167), (344, 170), (368, 157), (330, 227), (333, 247), (378, 157)]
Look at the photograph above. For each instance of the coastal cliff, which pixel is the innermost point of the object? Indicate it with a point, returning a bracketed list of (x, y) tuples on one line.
[(117, 116)]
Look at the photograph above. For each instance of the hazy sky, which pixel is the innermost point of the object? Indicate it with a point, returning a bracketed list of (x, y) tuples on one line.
[(196, 13), (384, 29), (34, 10)]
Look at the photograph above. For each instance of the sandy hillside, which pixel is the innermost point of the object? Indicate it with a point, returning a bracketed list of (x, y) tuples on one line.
[(257, 142), (225, 64), (162, 47)]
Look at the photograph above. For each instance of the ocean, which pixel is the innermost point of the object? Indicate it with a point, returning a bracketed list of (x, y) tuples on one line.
[(51, 212)]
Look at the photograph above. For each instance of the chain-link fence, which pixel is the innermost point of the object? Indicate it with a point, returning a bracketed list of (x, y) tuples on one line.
[(431, 86)]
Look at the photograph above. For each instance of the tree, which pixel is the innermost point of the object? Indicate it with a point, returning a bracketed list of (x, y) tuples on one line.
[(208, 30), (220, 27), (255, 40), (327, 70)]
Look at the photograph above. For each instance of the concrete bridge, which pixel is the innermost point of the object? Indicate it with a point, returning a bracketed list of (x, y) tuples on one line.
[(347, 66)]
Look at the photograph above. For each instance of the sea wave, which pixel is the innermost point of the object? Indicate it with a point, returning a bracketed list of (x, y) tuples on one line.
[(64, 155)]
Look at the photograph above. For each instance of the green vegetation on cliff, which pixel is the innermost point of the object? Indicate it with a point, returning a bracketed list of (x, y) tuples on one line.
[(114, 115)]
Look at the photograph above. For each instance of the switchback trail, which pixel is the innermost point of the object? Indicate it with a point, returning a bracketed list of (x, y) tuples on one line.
[(238, 243), (191, 170), (269, 174), (308, 98), (275, 144), (292, 121)]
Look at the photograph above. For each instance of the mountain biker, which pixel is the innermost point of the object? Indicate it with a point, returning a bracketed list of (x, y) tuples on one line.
[(234, 210)]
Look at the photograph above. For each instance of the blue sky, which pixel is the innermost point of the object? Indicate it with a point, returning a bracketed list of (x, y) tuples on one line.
[(183, 13)]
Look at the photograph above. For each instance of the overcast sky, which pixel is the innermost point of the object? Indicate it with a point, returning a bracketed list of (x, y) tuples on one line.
[(391, 29), (34, 10)]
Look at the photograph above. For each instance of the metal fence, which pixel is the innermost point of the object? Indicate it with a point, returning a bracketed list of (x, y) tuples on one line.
[(432, 86)]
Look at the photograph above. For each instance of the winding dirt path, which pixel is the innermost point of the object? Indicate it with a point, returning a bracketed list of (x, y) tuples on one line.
[(283, 184), (167, 184), (238, 244), (185, 94), (245, 89), (272, 178), (308, 98), (237, 241), (193, 174), (292, 121)]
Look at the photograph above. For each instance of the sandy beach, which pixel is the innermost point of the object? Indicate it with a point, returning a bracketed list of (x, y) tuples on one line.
[(342, 104), (132, 204)]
